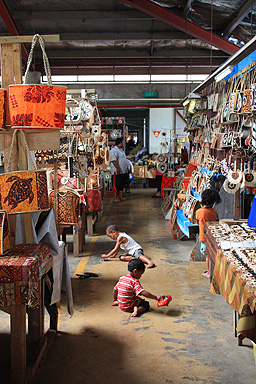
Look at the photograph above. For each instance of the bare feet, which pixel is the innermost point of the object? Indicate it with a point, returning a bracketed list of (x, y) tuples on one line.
[(205, 274), (150, 265), (135, 312), (117, 201), (114, 303)]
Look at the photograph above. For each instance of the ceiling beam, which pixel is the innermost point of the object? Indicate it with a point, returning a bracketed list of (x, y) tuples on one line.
[(239, 18), (132, 70), (135, 62), (129, 14), (94, 36), (187, 8), (11, 26), (180, 23), (168, 53)]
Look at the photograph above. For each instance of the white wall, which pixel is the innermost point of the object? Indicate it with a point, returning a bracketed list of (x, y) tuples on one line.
[(160, 120)]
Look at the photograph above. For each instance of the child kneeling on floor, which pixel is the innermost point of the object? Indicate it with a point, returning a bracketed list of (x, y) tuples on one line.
[(204, 214), (125, 242), (127, 290)]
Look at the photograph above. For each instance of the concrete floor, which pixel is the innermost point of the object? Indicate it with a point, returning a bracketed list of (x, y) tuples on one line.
[(190, 341)]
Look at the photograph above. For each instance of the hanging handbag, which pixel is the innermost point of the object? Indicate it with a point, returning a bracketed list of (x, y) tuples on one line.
[(63, 181), (86, 110), (23, 191), (36, 105), (68, 204), (3, 102), (73, 112), (93, 200), (247, 102), (4, 233)]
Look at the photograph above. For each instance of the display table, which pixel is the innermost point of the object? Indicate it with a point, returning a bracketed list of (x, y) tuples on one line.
[(211, 243), (228, 283), (21, 289)]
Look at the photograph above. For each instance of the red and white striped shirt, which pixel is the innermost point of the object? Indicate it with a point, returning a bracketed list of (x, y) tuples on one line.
[(128, 289)]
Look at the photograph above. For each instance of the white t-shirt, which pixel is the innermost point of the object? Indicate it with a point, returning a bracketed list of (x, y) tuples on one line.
[(131, 246), (118, 155)]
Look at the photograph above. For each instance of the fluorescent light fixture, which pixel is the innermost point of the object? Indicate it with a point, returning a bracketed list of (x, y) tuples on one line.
[(224, 73), (186, 102), (193, 95)]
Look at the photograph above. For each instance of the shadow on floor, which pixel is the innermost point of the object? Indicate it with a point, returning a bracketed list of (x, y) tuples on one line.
[(87, 357)]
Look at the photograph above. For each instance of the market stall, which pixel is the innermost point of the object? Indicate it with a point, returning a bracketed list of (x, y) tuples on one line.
[(31, 259)]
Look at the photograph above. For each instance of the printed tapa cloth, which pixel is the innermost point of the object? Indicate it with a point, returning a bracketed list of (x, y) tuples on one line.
[(228, 283), (20, 273), (23, 191)]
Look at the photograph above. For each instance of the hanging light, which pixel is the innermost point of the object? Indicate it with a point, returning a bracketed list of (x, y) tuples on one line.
[(224, 73), (191, 96)]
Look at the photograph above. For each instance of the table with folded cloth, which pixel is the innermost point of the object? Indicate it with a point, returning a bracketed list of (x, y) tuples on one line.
[(211, 243), (23, 273), (227, 280), (44, 232)]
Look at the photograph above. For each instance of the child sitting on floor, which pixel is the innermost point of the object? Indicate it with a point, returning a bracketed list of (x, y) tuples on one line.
[(132, 249), (204, 214), (127, 290)]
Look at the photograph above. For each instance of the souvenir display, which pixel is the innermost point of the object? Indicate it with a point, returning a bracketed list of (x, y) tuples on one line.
[(114, 134)]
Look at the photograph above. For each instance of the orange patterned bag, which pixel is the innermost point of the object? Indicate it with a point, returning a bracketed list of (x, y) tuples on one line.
[(4, 233), (23, 191), (36, 105), (3, 100)]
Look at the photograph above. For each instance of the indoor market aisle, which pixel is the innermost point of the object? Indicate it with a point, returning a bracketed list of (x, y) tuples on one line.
[(190, 341)]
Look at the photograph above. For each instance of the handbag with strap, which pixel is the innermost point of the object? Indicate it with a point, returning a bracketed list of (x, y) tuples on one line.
[(94, 200), (23, 191), (63, 181), (4, 233), (3, 102), (36, 105), (68, 204)]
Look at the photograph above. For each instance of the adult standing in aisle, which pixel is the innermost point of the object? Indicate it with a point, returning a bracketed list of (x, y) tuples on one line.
[(119, 170)]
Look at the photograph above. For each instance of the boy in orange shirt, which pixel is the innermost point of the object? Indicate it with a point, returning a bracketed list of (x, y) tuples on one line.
[(204, 214)]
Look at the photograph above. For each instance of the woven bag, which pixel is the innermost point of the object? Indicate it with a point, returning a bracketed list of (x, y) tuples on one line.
[(36, 105), (4, 233), (68, 204), (23, 191)]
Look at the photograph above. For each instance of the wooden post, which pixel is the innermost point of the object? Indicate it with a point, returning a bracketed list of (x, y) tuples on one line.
[(18, 344), (89, 225)]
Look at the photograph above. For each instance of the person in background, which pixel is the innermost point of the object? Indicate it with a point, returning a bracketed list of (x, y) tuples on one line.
[(204, 214), (127, 290), (119, 169)]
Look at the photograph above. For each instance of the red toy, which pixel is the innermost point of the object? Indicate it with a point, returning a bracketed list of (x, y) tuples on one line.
[(164, 301)]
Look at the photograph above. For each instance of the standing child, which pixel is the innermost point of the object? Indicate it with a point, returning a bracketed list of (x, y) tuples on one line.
[(125, 242), (204, 214), (127, 290)]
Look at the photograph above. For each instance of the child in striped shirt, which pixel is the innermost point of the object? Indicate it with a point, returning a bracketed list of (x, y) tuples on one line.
[(127, 290)]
